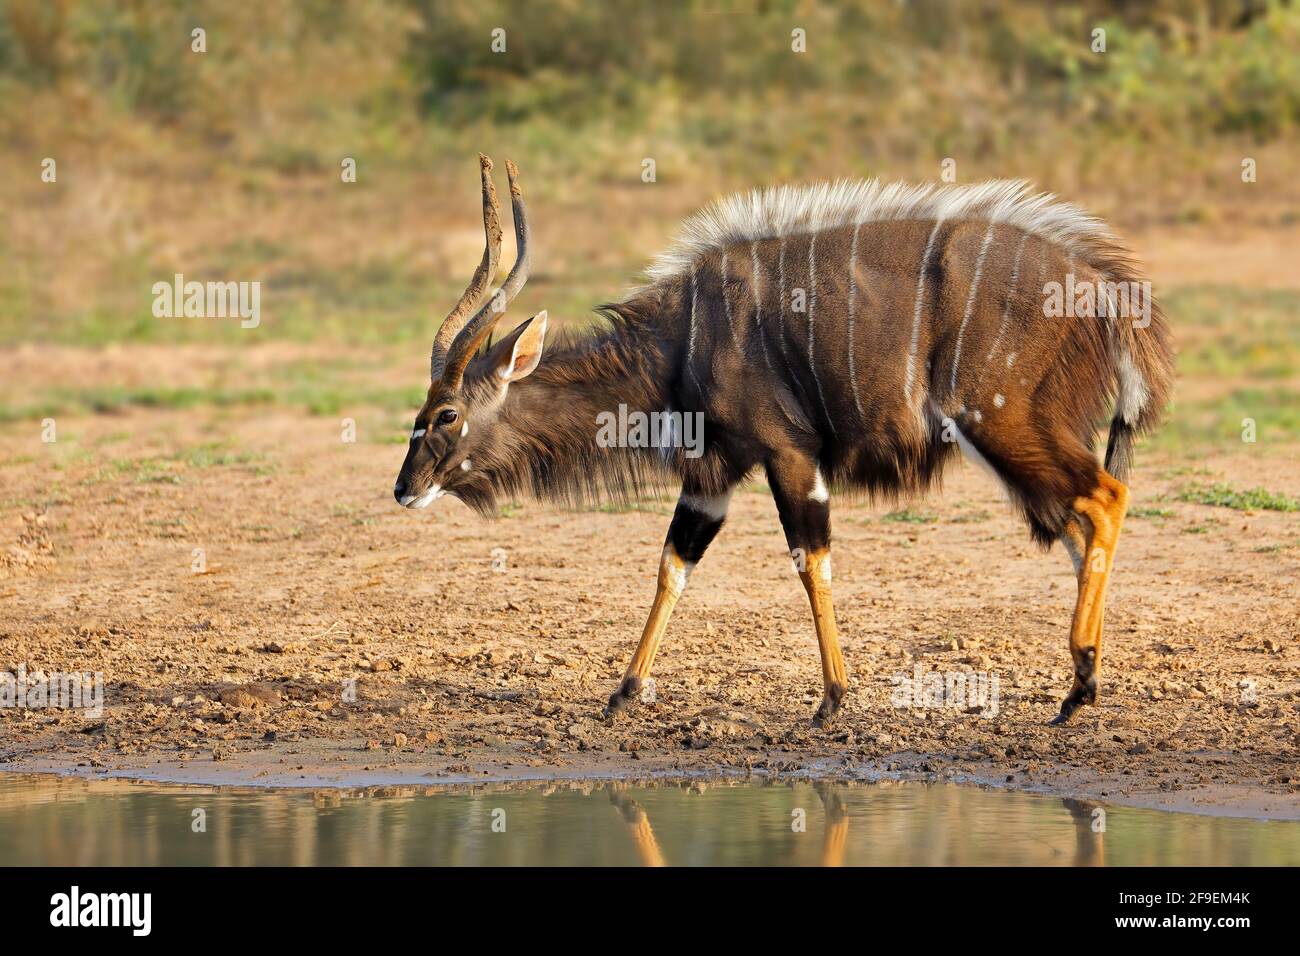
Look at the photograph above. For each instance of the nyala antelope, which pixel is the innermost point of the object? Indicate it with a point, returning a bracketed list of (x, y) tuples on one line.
[(851, 336)]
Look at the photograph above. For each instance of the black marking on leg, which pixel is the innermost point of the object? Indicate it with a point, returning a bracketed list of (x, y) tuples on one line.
[(1084, 690), (830, 706), (691, 533), (627, 692), (1085, 666)]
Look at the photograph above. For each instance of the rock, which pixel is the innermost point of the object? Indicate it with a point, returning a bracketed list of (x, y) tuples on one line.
[(250, 695), (399, 740), (275, 647)]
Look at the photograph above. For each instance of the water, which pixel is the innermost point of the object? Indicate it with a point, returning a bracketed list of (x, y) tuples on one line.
[(48, 820)]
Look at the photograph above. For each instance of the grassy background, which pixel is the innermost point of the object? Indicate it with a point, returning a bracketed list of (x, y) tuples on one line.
[(225, 165)]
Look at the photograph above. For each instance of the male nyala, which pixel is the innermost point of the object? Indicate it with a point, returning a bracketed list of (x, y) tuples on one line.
[(846, 336)]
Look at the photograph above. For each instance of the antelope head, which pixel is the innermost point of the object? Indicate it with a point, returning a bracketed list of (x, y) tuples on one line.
[(458, 420)]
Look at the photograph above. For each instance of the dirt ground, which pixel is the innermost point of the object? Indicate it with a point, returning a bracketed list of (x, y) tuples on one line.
[(325, 636)]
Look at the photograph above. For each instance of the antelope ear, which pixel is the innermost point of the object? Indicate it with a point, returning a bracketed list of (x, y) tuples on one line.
[(515, 356)]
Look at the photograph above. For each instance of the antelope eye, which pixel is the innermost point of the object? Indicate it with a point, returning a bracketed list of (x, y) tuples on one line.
[(447, 416)]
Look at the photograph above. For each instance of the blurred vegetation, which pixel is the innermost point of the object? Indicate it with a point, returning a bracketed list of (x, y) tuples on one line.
[(225, 165), (970, 78)]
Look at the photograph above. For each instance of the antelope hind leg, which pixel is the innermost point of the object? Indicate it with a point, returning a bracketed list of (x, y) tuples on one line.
[(1094, 540), (803, 504)]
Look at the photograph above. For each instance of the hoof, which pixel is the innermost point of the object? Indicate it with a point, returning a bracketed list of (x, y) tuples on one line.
[(830, 706), (1083, 692), (628, 691)]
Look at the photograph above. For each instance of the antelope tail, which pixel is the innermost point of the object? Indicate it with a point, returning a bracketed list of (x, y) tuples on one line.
[(1144, 372)]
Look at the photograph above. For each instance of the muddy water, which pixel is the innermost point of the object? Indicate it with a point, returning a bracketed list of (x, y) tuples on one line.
[(47, 820)]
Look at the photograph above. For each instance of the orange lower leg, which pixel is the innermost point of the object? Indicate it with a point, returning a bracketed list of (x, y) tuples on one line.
[(816, 578), (1104, 508), (673, 572)]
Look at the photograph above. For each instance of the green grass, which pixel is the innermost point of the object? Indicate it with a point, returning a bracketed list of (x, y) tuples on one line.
[(1222, 495), (169, 469), (1147, 512), (1277, 548), (1247, 339), (1222, 420), (1227, 332), (623, 507), (316, 398), (907, 516)]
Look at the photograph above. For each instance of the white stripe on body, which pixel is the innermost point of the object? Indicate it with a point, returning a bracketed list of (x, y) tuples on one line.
[(970, 305), (1012, 288), (853, 294), (726, 304), (690, 343), (910, 376), (758, 302), (780, 299), (812, 336)]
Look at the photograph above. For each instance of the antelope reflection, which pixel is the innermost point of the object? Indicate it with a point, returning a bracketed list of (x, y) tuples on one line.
[(834, 835)]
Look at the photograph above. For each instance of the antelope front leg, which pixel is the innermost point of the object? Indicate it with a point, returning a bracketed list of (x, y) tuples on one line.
[(803, 503), (695, 523)]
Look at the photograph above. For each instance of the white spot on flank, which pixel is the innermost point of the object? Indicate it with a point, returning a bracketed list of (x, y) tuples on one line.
[(464, 429), (999, 401), (711, 506), (465, 465), (978, 417), (1011, 359), (418, 433), (819, 491)]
